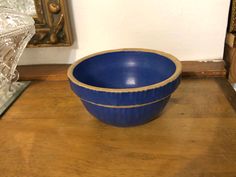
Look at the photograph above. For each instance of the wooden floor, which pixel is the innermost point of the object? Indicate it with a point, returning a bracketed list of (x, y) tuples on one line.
[(48, 133)]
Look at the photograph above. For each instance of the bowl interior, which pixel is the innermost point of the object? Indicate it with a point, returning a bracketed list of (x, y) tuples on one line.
[(124, 69)]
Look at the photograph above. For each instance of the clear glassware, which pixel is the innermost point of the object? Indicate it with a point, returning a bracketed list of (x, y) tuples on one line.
[(16, 29), (23, 6)]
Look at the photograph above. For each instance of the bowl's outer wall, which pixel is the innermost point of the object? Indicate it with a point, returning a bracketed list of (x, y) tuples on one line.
[(125, 98), (127, 116)]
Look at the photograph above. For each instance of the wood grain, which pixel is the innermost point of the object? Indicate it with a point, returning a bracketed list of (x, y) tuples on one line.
[(58, 72), (48, 133)]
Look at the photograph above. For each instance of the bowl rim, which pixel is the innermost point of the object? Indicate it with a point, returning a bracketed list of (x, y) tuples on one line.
[(174, 76)]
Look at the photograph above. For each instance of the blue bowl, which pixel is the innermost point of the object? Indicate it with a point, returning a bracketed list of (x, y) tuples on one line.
[(125, 87)]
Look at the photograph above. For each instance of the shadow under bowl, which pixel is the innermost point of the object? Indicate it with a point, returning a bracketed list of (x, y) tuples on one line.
[(125, 87)]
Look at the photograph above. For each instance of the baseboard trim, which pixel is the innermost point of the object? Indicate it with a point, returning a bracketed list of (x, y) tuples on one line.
[(57, 72), (204, 69)]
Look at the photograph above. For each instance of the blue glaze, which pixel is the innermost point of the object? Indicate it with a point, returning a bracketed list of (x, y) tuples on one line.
[(125, 98), (96, 81), (125, 69), (124, 117)]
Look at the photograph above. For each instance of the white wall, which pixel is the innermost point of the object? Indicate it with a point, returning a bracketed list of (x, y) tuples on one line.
[(188, 29)]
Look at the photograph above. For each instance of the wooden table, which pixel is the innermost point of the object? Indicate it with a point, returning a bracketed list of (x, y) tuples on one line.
[(48, 133)]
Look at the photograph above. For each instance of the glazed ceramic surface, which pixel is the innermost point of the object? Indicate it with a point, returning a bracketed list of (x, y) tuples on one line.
[(125, 87)]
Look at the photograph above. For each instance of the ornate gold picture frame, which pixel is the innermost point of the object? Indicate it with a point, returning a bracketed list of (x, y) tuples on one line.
[(232, 17), (52, 24)]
